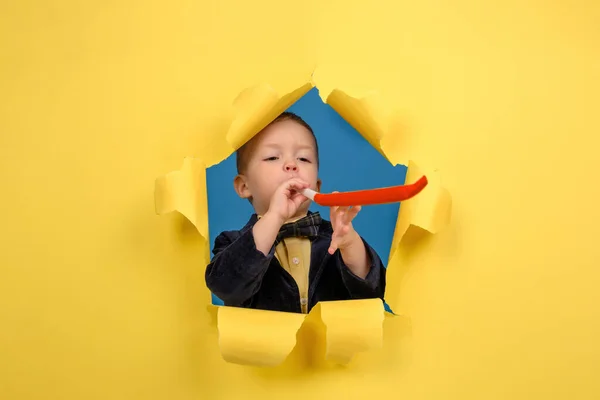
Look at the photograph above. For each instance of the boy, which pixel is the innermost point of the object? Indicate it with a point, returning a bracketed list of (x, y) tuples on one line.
[(286, 258)]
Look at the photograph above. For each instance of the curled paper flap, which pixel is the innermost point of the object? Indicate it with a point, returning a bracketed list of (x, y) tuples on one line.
[(255, 108), (184, 191), (256, 337), (266, 338), (430, 210), (366, 114), (352, 326), (364, 110)]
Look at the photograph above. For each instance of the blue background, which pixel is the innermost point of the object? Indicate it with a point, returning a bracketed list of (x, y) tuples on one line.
[(347, 162)]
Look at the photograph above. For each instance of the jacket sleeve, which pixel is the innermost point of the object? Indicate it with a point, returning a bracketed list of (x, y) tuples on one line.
[(236, 271), (373, 286)]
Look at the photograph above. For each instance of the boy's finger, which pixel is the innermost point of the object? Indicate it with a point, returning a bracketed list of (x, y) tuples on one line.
[(342, 210), (352, 213), (289, 183), (332, 247), (298, 199), (332, 218), (333, 211), (344, 215), (296, 183)]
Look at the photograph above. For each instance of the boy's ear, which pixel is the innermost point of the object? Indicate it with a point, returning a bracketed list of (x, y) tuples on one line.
[(241, 187)]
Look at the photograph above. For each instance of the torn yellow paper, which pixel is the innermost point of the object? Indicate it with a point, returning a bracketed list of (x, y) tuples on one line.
[(266, 338), (364, 110), (256, 337), (255, 108), (185, 191), (352, 326), (429, 210), (365, 114)]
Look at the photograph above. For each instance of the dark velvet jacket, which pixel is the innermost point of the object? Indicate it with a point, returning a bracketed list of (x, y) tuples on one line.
[(243, 276)]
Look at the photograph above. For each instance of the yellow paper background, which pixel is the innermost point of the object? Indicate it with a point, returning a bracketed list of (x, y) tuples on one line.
[(100, 298)]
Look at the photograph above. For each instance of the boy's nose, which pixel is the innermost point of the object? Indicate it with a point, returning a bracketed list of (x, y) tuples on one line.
[(291, 167)]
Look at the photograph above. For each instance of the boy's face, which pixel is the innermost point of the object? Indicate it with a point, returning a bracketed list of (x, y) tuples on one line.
[(281, 151)]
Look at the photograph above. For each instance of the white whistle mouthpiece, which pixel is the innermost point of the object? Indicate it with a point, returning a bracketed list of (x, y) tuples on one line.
[(309, 193)]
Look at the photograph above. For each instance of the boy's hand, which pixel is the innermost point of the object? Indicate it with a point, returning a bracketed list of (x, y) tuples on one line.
[(283, 205), (344, 234), (287, 199)]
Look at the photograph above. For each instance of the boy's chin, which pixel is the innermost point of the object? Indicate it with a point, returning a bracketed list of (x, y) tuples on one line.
[(303, 209)]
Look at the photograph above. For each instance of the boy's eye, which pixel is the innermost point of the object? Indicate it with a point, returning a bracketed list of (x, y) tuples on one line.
[(271, 158), (304, 159)]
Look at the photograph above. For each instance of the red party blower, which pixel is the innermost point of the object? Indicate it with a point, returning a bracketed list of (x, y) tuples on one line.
[(393, 194)]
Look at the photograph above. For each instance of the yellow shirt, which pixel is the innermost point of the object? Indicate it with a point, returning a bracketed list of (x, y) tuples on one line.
[(294, 256)]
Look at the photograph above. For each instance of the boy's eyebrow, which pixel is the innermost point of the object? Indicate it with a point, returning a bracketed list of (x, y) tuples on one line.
[(304, 146), (271, 145), (307, 146)]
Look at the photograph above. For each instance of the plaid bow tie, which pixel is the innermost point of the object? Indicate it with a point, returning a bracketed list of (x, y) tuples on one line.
[(304, 227)]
